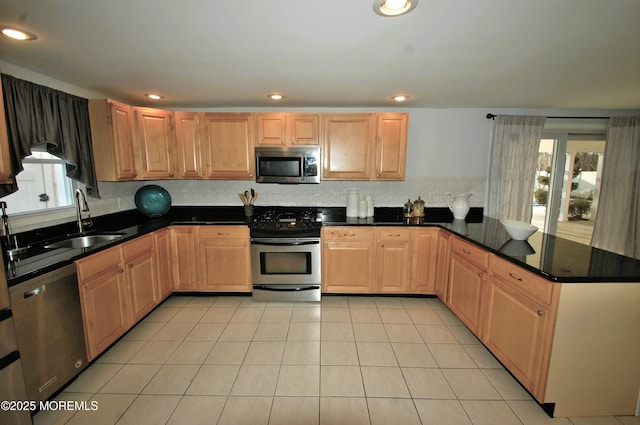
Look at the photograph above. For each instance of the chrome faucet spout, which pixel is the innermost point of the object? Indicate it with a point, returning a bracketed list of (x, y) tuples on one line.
[(82, 206), (10, 240)]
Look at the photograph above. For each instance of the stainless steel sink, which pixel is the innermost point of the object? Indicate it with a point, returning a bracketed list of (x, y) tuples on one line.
[(85, 241)]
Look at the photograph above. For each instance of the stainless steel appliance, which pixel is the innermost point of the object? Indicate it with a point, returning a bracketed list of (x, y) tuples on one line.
[(291, 165), (49, 330), (285, 255), (12, 387)]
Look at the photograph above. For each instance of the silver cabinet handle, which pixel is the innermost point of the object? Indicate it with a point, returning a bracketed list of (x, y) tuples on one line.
[(35, 291)]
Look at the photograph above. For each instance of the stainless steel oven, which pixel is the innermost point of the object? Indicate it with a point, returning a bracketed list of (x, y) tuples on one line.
[(286, 269)]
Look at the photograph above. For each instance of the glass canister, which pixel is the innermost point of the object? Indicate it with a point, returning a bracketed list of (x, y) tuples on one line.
[(407, 209)]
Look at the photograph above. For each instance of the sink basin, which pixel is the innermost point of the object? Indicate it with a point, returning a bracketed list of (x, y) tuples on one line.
[(84, 241)]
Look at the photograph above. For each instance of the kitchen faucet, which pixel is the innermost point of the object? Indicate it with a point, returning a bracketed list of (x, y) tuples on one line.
[(82, 206), (10, 240)]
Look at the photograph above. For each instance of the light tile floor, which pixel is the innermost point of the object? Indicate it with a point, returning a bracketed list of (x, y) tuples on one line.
[(349, 360)]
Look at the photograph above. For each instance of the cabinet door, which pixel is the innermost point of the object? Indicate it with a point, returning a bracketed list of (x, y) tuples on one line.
[(140, 276), (347, 146), (189, 145), (122, 139), (391, 147), (183, 253), (466, 288), (224, 265), (423, 264), (155, 137), (272, 129), (304, 129), (228, 143), (347, 266), (6, 175), (442, 265), (393, 254), (162, 252), (519, 333)]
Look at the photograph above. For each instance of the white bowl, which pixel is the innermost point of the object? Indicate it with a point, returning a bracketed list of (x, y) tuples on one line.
[(518, 230)]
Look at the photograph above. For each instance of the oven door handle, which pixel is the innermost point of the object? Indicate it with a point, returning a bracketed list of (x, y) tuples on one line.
[(291, 289), (298, 243)]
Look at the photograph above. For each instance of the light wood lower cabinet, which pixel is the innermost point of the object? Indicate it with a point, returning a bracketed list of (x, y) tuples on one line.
[(423, 260), (184, 245), (393, 254), (467, 282), (348, 259), (117, 288), (164, 261), (223, 259), (442, 265)]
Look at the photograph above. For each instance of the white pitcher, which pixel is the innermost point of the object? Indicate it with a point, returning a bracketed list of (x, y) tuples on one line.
[(458, 204)]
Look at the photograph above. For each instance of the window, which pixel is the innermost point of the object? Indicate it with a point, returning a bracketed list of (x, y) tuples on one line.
[(42, 185)]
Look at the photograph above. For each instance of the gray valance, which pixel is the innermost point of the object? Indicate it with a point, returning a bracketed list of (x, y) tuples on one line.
[(39, 115)]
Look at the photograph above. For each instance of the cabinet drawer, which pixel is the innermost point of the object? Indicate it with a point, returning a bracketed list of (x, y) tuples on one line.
[(98, 263), (215, 232), (471, 253), (533, 286), (138, 246), (349, 233), (393, 233)]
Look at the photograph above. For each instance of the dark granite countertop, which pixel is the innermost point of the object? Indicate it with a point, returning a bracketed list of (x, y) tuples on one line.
[(554, 258)]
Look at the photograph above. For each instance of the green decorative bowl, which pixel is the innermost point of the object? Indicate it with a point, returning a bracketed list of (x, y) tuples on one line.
[(153, 200)]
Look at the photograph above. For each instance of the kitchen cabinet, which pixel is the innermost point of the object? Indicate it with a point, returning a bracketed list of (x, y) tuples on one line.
[(519, 321), (467, 282), (228, 144), (154, 140), (223, 259), (348, 259), (112, 140), (391, 146), (164, 269), (442, 265), (140, 276), (184, 246), (393, 252), (189, 145), (6, 175), (347, 146), (364, 146), (288, 129), (117, 289), (423, 260), (104, 300)]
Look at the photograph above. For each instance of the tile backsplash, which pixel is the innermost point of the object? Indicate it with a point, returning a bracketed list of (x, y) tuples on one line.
[(120, 196)]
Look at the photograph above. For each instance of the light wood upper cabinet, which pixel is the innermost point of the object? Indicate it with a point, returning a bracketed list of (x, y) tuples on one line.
[(228, 140), (189, 145), (112, 140), (347, 143), (154, 140), (423, 260), (364, 146), (288, 129), (223, 259), (391, 146), (6, 175)]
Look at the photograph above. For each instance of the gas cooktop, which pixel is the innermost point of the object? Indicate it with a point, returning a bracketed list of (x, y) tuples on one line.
[(287, 222)]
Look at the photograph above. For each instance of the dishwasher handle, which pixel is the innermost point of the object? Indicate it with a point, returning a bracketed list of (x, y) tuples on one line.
[(35, 291)]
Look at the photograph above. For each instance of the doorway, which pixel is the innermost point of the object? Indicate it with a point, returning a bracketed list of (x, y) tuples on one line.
[(567, 185)]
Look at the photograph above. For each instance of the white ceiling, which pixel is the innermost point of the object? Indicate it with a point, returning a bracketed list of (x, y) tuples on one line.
[(574, 54)]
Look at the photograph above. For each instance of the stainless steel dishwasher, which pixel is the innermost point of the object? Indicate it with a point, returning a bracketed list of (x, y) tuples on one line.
[(49, 330)]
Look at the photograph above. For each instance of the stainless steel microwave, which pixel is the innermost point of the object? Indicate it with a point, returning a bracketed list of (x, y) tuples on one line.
[(288, 165)]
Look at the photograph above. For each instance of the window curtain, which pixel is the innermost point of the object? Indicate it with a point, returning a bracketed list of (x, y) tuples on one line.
[(39, 115), (617, 225), (514, 157)]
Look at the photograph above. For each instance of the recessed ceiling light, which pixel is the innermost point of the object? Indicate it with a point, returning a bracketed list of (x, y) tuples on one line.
[(154, 96), (275, 96), (394, 7), (400, 98), (16, 34)]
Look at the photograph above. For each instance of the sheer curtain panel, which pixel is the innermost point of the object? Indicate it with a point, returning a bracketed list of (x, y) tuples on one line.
[(514, 157), (617, 226), (39, 115)]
